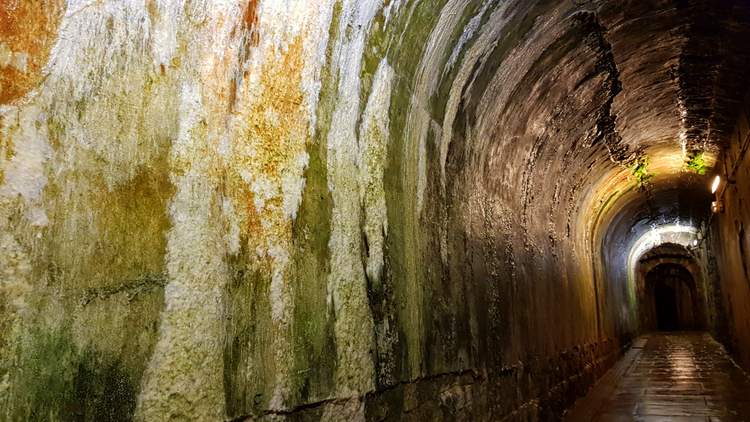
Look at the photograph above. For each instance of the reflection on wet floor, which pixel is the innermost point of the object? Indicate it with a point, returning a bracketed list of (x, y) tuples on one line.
[(670, 377)]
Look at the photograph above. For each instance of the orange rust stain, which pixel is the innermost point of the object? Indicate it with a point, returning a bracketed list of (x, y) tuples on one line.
[(282, 98), (253, 219), (250, 22), (248, 29), (28, 30), (275, 129)]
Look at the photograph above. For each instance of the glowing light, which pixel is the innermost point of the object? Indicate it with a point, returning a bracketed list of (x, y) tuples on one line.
[(670, 233), (715, 185), (695, 242), (683, 235)]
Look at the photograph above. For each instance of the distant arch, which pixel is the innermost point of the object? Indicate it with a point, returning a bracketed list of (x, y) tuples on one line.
[(670, 290)]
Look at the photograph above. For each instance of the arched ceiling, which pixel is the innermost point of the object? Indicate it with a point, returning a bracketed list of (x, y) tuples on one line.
[(559, 133), (682, 66), (668, 250), (613, 111), (463, 171), (584, 106)]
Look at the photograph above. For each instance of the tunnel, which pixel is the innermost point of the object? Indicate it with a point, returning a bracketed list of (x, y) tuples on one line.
[(673, 291), (374, 210)]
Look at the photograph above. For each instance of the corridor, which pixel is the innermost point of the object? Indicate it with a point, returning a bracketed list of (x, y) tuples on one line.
[(669, 377), (374, 210)]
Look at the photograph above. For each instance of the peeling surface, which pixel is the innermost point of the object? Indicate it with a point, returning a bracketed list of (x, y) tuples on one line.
[(338, 209), (346, 283)]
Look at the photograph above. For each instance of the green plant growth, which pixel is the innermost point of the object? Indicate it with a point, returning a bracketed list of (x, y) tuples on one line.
[(697, 162), (639, 170), (54, 380)]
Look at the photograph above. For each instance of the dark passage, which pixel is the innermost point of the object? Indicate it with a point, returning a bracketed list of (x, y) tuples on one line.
[(673, 297), (666, 306)]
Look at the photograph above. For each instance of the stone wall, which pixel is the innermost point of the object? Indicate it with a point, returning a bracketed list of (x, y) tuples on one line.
[(537, 389), (318, 210), (731, 243)]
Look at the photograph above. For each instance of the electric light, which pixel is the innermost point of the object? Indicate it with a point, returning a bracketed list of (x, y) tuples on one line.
[(671, 233), (715, 185)]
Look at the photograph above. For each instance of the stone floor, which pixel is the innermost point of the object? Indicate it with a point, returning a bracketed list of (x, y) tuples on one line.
[(669, 377)]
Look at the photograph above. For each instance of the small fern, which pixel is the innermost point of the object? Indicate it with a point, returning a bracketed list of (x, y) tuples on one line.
[(639, 170), (697, 162)]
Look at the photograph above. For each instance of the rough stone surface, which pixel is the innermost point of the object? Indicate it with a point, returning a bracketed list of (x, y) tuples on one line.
[(354, 210), (730, 242)]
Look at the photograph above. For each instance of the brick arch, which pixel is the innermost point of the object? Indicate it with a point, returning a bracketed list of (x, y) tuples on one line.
[(662, 255)]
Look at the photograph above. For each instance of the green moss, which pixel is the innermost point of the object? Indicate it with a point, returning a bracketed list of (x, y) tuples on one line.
[(330, 80), (639, 170), (408, 34), (375, 50), (54, 380), (248, 358), (696, 162), (55, 132), (120, 236), (314, 341)]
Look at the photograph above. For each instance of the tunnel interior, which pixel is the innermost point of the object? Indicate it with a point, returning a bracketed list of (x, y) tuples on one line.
[(667, 294), (362, 210), (673, 292)]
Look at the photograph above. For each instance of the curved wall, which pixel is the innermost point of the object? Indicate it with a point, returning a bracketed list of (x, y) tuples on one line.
[(343, 209)]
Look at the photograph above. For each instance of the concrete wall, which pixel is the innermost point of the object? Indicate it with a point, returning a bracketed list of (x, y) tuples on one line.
[(319, 210), (731, 242)]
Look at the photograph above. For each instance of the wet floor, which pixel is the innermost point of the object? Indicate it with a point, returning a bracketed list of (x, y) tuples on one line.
[(669, 377)]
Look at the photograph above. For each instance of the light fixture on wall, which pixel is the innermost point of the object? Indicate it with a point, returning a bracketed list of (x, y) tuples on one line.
[(717, 206), (716, 184)]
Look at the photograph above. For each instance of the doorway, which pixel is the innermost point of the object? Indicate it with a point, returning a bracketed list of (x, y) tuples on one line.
[(673, 295)]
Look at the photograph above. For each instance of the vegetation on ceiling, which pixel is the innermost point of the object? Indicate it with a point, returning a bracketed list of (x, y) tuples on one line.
[(696, 162), (639, 170)]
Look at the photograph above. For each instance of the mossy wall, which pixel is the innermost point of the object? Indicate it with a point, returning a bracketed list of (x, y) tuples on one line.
[(323, 210)]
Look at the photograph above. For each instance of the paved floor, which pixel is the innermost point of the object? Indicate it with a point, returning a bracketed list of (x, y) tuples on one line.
[(669, 377)]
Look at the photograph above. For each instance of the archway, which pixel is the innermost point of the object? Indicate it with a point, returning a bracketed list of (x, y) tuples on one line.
[(670, 289), (673, 295)]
